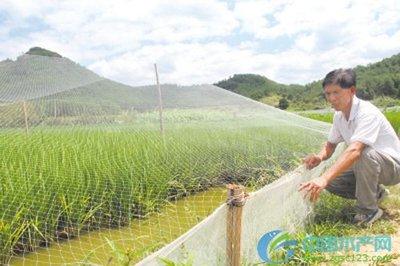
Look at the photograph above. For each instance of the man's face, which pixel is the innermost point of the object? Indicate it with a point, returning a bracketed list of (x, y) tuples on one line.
[(339, 98)]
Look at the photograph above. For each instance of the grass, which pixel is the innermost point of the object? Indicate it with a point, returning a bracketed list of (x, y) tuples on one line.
[(394, 119), (333, 217), (58, 182)]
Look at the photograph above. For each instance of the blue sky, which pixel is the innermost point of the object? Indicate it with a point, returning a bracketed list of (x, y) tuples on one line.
[(204, 41)]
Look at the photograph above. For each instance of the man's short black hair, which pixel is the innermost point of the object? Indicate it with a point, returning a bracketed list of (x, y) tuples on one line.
[(345, 78)]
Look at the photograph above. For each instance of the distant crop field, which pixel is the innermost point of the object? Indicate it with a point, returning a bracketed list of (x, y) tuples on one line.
[(69, 179), (392, 116), (394, 119), (325, 117)]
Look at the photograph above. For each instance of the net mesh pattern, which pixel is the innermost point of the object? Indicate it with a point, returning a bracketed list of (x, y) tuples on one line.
[(90, 172)]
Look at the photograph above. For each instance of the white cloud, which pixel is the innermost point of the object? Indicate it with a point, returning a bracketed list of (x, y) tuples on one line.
[(122, 25), (205, 63), (252, 14), (177, 63), (306, 42), (204, 41), (270, 19), (325, 35)]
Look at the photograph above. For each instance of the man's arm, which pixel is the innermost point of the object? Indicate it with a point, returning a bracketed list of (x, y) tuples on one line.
[(349, 156), (327, 151)]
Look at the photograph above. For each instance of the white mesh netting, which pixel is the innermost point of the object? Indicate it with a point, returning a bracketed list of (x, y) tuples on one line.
[(87, 176)]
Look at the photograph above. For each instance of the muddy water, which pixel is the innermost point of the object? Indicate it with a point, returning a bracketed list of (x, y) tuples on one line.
[(139, 238)]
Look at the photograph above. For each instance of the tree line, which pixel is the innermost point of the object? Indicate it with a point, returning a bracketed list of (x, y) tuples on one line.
[(375, 81)]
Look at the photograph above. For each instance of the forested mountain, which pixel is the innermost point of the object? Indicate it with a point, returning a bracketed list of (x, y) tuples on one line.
[(379, 82)]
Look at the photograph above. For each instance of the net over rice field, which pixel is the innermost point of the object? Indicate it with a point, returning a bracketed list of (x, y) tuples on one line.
[(87, 162)]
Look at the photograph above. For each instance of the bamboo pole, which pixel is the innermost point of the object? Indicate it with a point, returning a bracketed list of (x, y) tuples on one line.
[(160, 103), (235, 201), (55, 109), (25, 116)]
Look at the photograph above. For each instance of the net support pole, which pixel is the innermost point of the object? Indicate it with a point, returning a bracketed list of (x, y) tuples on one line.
[(160, 104), (25, 117), (55, 109), (235, 201)]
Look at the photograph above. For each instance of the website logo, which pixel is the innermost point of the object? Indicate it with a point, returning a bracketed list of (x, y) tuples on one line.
[(274, 243), (277, 247)]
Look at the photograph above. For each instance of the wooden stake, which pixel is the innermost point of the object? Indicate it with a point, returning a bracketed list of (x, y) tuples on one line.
[(160, 104), (235, 201), (26, 117)]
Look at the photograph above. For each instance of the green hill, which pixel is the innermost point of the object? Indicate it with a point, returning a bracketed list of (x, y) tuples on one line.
[(42, 78), (42, 52), (54, 87), (250, 85), (379, 82)]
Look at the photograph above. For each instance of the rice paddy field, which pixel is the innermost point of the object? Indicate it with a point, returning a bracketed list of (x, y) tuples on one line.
[(60, 182), (83, 157), (81, 153)]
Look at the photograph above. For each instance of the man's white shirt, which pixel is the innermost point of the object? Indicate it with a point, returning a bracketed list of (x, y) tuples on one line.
[(368, 125)]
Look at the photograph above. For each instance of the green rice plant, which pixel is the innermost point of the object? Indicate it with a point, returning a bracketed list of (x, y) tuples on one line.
[(394, 119), (325, 117), (392, 116), (11, 231), (63, 181)]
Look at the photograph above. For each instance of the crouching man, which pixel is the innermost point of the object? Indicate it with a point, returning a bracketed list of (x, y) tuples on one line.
[(372, 158)]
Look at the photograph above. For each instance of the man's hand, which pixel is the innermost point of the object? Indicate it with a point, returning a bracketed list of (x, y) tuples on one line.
[(314, 187), (312, 161)]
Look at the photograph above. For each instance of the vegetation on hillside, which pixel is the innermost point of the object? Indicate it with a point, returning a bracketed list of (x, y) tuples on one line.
[(42, 52), (379, 82)]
